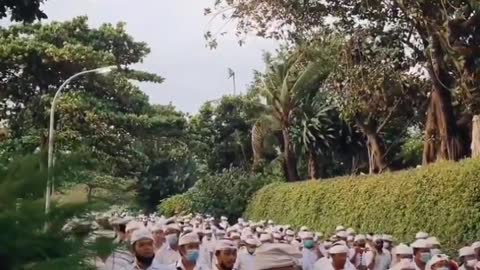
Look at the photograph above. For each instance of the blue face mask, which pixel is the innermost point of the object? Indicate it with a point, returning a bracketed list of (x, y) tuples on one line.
[(192, 255), (426, 256), (308, 244)]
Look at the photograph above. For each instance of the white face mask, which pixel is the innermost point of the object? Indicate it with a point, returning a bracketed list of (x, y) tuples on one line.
[(172, 240), (435, 251), (471, 263), (386, 245)]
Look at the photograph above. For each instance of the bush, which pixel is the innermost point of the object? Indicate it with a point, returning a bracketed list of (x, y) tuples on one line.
[(443, 199), (181, 203), (226, 193)]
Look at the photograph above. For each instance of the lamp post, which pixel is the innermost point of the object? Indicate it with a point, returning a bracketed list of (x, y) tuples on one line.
[(49, 189)]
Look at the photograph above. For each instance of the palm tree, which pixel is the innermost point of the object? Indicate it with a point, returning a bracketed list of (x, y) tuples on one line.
[(286, 79), (313, 131)]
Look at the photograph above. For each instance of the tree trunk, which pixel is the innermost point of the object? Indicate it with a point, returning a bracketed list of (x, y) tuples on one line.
[(290, 158), (475, 136), (313, 166), (377, 153), (441, 132)]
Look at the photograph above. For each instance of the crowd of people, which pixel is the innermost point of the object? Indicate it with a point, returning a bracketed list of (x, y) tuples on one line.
[(204, 243)]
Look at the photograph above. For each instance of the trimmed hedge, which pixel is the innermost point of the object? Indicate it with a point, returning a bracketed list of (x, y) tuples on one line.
[(442, 199)]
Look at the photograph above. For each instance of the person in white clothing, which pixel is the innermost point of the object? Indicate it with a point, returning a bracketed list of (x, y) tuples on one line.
[(403, 257), (142, 246), (338, 259), (468, 260), (225, 255), (476, 248), (421, 253), (170, 253), (159, 235), (357, 254), (440, 262), (122, 258), (435, 245), (189, 249), (277, 256), (309, 251), (379, 258), (246, 257)]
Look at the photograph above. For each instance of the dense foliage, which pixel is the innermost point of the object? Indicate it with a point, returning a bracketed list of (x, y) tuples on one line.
[(411, 200), (24, 243), (226, 193)]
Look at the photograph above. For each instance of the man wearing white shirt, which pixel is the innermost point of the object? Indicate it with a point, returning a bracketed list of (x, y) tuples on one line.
[(225, 255), (246, 257), (142, 244), (379, 258), (189, 245), (170, 253), (338, 259), (309, 251), (357, 254)]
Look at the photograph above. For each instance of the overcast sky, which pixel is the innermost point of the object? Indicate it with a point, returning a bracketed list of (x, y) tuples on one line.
[(174, 30)]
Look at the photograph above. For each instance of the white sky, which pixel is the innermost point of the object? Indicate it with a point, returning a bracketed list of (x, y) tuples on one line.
[(174, 31)]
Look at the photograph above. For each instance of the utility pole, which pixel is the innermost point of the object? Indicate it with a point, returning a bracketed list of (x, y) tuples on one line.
[(231, 74)]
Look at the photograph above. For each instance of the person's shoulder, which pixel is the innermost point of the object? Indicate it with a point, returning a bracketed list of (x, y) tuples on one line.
[(322, 264)]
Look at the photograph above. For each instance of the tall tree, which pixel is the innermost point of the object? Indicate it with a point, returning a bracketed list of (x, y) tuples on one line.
[(24, 11), (95, 110), (286, 79), (372, 90), (442, 36)]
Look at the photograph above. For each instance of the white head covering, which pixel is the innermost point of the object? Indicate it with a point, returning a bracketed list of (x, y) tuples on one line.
[(141, 234), (173, 226), (304, 229), (360, 237), (476, 245), (421, 243), (350, 231), (188, 229), (104, 234), (338, 248), (342, 234), (339, 228), (403, 249), (466, 251), (435, 259), (252, 241), (350, 238), (235, 235), (306, 235), (156, 227), (433, 240), (421, 235), (387, 237), (189, 238), (134, 225), (276, 255), (120, 220), (264, 237), (290, 233), (270, 222), (225, 245)]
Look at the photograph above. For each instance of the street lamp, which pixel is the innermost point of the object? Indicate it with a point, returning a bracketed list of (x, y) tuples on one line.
[(48, 193)]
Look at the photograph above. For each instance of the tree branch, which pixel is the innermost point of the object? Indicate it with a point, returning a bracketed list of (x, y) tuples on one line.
[(389, 116)]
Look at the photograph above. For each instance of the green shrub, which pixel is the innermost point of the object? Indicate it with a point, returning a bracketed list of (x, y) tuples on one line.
[(180, 203), (226, 193), (443, 199)]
